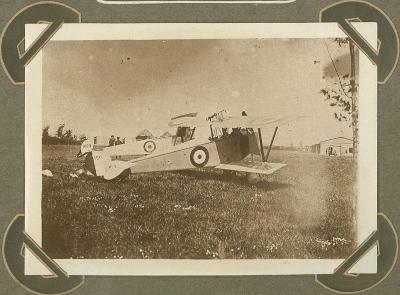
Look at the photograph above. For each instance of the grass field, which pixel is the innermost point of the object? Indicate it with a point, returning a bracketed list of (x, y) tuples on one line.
[(305, 210)]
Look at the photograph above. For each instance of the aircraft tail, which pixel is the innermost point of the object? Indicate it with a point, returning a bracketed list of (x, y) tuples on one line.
[(89, 164)]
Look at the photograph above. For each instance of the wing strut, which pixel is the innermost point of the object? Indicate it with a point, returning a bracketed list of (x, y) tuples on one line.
[(270, 145), (191, 135), (261, 145)]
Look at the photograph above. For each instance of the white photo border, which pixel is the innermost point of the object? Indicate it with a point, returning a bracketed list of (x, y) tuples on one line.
[(367, 161)]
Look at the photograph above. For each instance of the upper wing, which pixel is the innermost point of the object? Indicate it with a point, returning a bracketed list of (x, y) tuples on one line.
[(183, 120), (192, 119), (253, 121), (252, 167)]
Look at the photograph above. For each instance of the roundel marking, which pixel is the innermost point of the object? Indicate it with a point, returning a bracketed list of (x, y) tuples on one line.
[(199, 156), (149, 146)]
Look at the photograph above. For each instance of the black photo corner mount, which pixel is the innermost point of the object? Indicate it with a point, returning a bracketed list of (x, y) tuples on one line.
[(16, 243)]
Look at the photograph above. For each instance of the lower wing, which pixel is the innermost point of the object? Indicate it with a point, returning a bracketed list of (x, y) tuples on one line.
[(252, 167)]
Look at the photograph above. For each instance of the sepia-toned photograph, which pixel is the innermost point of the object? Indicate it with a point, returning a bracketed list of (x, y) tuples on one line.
[(201, 148)]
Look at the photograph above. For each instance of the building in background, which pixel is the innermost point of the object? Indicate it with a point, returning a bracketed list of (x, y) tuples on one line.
[(338, 146)]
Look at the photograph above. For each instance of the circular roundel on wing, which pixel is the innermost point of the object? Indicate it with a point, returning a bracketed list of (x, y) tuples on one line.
[(149, 146), (199, 156)]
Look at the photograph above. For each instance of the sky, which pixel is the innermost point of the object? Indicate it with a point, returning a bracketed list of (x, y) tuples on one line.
[(122, 87)]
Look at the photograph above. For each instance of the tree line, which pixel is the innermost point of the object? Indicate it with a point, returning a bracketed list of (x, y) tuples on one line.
[(62, 136)]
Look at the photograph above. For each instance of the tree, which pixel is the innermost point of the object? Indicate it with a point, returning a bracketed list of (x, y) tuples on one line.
[(45, 135), (60, 131), (68, 136), (342, 94), (61, 136)]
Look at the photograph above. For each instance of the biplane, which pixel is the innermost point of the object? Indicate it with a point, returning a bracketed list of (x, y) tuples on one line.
[(230, 140)]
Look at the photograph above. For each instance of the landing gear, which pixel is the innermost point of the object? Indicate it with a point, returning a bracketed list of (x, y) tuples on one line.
[(228, 174), (253, 177)]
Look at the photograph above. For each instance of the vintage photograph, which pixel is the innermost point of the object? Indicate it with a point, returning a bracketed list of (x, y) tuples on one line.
[(202, 149)]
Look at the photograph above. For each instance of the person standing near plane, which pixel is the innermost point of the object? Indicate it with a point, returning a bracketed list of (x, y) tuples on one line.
[(118, 142), (111, 142)]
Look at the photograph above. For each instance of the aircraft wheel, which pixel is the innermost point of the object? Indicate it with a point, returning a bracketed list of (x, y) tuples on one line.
[(253, 177), (228, 174)]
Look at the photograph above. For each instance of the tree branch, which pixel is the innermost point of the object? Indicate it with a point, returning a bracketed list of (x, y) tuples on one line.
[(337, 73)]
